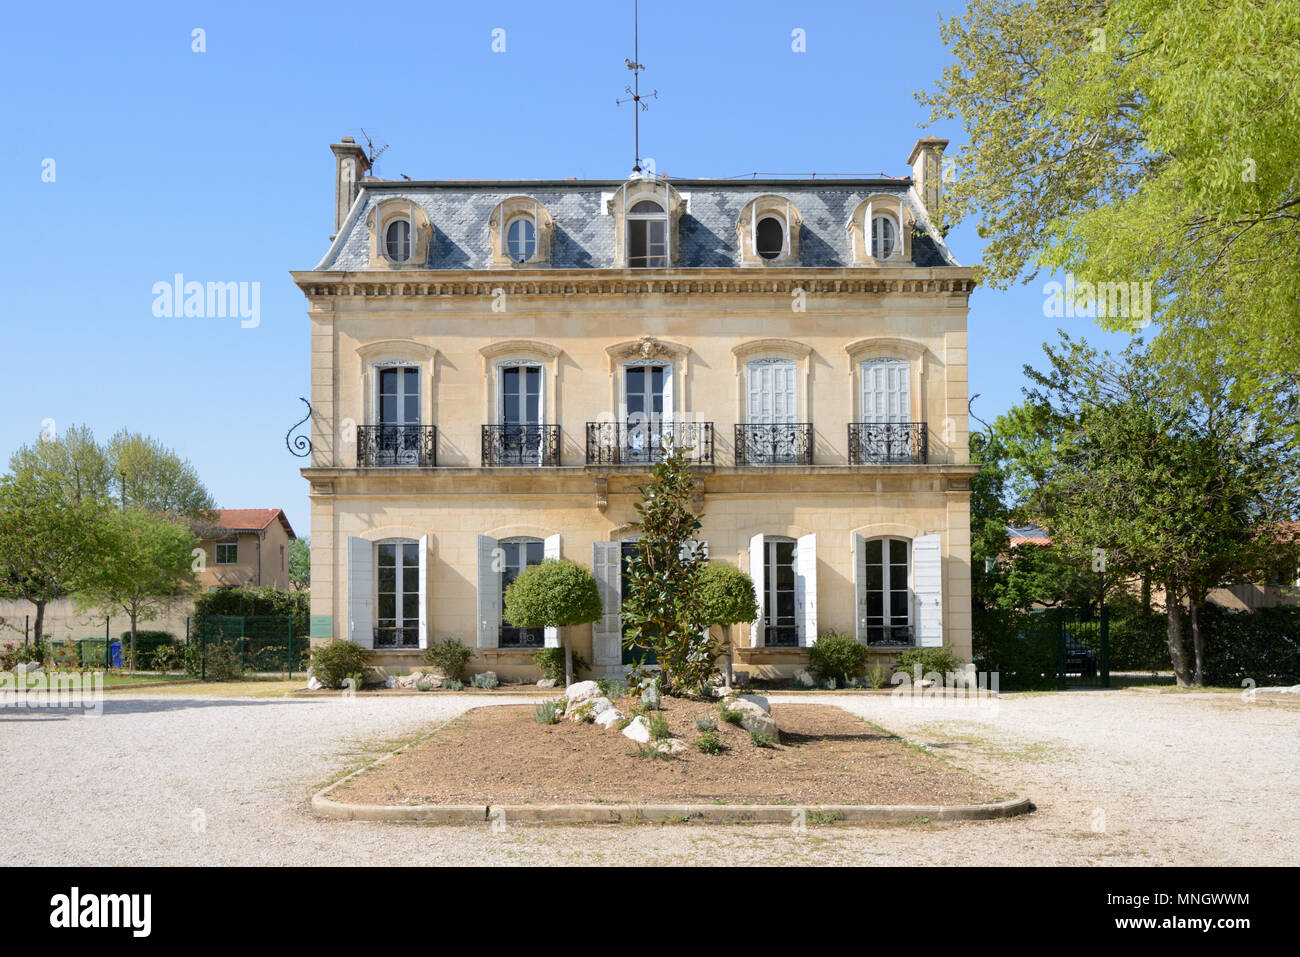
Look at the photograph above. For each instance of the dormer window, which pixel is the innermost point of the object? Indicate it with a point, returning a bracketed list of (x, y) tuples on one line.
[(521, 239), (884, 237), (397, 240), (647, 230), (769, 241)]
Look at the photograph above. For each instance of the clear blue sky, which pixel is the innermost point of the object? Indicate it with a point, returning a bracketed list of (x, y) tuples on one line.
[(217, 165)]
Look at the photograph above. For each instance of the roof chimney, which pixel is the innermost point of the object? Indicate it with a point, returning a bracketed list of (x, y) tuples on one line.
[(350, 164), (927, 170)]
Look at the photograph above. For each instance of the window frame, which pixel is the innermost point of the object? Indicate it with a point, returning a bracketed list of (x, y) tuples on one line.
[(773, 592), (887, 588), (410, 239), (895, 245), (519, 219), (503, 626), (783, 248), (217, 550), (401, 592), (633, 217)]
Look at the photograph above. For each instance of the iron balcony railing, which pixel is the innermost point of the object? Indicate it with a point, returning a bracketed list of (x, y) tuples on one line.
[(647, 441), (406, 636), (888, 443), (890, 636), (397, 446), (774, 443), (535, 445)]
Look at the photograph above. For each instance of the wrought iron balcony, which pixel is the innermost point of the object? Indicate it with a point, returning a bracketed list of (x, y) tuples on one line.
[(534, 445), (774, 443), (890, 636), (408, 636), (397, 446), (888, 443), (647, 441)]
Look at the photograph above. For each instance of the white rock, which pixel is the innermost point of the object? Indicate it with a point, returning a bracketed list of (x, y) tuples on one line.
[(547, 683), (313, 684), (638, 730), (408, 681), (600, 705), (753, 716), (671, 746), (390, 681), (757, 699), (609, 718), (580, 692), (804, 680)]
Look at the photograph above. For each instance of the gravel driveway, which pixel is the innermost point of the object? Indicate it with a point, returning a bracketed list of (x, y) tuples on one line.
[(1123, 777)]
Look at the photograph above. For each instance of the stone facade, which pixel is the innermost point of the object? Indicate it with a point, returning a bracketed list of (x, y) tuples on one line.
[(820, 378)]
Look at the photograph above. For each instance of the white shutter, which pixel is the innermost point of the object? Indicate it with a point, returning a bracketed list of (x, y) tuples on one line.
[(886, 390), (669, 411), (758, 627), (607, 631), (927, 590), (805, 588), (860, 589), (551, 549), (424, 588), (489, 593), (361, 584)]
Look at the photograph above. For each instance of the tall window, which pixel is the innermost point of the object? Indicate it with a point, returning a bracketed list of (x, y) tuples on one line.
[(398, 621), (397, 240), (518, 554), (647, 236), (886, 390), (520, 439), (888, 596), (521, 239), (884, 237), (781, 626), (769, 238)]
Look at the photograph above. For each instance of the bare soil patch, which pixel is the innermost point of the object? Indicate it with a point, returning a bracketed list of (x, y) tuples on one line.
[(500, 755)]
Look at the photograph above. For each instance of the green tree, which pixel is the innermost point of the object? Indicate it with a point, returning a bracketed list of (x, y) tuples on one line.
[(663, 611), (1141, 141), (727, 595), (144, 565), (555, 594), (45, 541), (300, 563)]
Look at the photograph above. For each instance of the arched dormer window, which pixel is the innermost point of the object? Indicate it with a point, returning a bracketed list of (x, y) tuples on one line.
[(880, 231), (768, 231), (400, 234), (520, 231), (884, 237), (647, 236), (646, 214)]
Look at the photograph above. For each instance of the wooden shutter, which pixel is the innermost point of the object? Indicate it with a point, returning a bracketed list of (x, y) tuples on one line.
[(424, 591), (757, 555), (886, 390), (551, 549), (361, 584), (860, 589), (927, 590), (607, 631), (489, 593), (805, 588)]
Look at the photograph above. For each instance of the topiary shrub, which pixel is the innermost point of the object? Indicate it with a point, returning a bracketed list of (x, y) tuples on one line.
[(450, 657), (550, 663), (837, 657), (334, 661)]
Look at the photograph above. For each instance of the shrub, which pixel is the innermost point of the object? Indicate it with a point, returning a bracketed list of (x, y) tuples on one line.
[(709, 741), (658, 727), (1262, 645), (837, 657), (612, 688), (487, 680), (585, 714), (877, 676), (1022, 648), (222, 662), (548, 712), (732, 715), (939, 660), (453, 684), (761, 739), (727, 595), (1139, 644), (556, 593), (259, 602), (338, 659), (166, 658), (550, 663), (424, 684), (706, 722), (64, 655), (450, 657)]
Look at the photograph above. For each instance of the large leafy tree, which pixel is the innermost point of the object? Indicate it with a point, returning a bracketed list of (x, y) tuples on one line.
[(1141, 141), (144, 565), (1132, 471), (46, 543)]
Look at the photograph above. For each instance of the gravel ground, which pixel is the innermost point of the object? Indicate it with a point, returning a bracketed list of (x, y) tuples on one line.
[(1120, 777)]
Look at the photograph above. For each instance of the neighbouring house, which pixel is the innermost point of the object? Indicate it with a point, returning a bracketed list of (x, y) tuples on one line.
[(246, 548), (494, 365)]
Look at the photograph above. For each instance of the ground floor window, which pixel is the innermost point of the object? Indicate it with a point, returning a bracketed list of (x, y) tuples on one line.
[(518, 554), (227, 553), (888, 594), (780, 621), (398, 623)]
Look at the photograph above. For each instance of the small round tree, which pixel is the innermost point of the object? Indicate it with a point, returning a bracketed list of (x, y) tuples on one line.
[(727, 595), (554, 594)]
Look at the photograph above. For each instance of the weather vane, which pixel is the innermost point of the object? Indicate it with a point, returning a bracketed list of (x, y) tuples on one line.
[(635, 89)]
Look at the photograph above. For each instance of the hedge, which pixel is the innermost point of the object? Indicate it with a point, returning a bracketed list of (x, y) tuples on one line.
[(255, 602)]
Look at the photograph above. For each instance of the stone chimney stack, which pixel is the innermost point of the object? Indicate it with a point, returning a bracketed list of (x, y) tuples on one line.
[(927, 170), (350, 164)]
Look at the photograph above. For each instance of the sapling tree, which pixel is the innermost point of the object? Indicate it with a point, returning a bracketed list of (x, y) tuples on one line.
[(555, 594), (727, 595)]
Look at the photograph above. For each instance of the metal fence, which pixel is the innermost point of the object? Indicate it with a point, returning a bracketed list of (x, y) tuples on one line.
[(227, 646)]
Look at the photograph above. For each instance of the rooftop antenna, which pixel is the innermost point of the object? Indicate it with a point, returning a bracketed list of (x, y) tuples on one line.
[(371, 152), (634, 90)]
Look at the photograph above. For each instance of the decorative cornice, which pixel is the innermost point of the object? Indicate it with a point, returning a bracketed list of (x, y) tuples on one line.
[(837, 282)]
